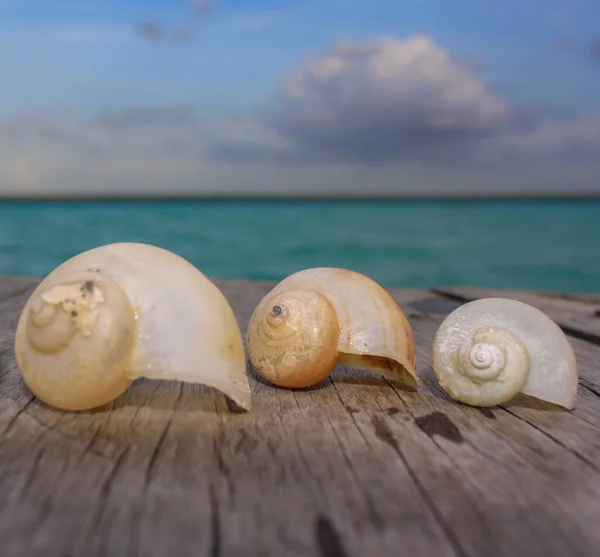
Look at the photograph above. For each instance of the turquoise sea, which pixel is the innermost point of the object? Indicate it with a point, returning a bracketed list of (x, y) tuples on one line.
[(548, 245)]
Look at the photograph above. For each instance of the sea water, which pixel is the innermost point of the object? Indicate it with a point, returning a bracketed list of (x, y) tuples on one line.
[(542, 245)]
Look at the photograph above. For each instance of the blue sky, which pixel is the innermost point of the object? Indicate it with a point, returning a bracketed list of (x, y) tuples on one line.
[(293, 96)]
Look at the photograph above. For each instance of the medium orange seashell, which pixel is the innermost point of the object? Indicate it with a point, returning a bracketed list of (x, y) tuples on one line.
[(317, 318)]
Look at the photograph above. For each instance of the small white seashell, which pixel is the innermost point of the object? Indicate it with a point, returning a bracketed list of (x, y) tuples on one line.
[(487, 351), (122, 311), (317, 318)]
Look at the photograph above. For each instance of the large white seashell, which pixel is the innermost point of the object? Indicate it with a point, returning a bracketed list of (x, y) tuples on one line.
[(122, 311), (487, 351), (316, 318)]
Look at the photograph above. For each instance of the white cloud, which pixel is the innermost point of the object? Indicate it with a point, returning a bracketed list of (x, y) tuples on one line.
[(383, 99)]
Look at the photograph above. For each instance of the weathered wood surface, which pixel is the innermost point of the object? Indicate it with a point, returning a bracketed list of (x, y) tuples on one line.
[(578, 314), (355, 466)]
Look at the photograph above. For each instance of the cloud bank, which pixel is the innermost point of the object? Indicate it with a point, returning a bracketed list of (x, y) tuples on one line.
[(384, 99), (377, 101), (421, 115)]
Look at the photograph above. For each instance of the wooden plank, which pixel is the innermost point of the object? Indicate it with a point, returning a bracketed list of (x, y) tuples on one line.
[(10, 286), (353, 466), (578, 315)]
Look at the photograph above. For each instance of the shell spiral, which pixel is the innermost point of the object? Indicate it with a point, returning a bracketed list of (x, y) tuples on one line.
[(489, 367), (292, 338), (74, 340)]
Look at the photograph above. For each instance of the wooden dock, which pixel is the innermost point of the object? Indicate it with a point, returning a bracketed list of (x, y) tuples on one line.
[(354, 467)]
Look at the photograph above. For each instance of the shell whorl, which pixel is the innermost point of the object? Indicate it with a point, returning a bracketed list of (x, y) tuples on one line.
[(57, 314), (75, 339), (292, 338), (486, 368)]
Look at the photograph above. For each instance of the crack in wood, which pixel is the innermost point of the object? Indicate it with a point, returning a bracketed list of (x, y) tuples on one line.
[(590, 423), (350, 413), (88, 447), (215, 522), (384, 434), (592, 390), (154, 455), (305, 461), (13, 420), (374, 514), (434, 423), (441, 391), (328, 540), (554, 439), (222, 467), (30, 478), (468, 441), (5, 371), (487, 413), (448, 456), (104, 496), (107, 484)]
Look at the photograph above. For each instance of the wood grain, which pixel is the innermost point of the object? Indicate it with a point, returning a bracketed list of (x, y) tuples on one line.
[(351, 467)]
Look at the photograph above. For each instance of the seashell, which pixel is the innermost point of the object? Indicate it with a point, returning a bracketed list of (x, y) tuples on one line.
[(317, 318), (123, 311), (487, 351)]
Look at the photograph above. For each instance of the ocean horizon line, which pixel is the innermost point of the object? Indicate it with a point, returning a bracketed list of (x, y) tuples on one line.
[(587, 196)]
